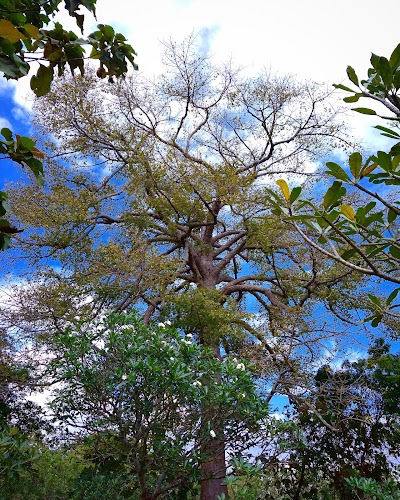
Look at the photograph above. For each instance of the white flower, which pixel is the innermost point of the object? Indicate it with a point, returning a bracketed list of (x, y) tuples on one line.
[(161, 325), (243, 395), (187, 342), (163, 343), (234, 360), (168, 323), (189, 335), (124, 377), (172, 359), (240, 366), (127, 327), (197, 383), (212, 434)]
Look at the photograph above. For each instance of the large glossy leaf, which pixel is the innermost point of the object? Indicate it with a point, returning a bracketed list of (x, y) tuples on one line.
[(337, 171), (355, 162)]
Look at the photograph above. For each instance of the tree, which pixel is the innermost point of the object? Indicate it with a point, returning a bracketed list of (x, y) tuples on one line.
[(23, 40), (172, 215), (359, 441), (364, 236), (136, 393)]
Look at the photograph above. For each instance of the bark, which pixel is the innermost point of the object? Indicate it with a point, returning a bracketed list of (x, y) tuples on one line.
[(213, 470)]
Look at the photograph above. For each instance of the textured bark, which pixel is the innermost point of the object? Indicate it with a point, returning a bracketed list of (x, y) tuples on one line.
[(214, 471)]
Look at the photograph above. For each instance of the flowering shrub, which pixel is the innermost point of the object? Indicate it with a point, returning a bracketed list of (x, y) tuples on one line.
[(141, 389)]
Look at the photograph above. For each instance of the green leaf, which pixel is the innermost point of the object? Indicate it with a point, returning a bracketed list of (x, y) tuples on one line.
[(348, 253), (365, 111), (342, 87), (337, 171), (41, 82), (375, 322), (11, 68), (6, 132), (352, 75), (392, 296), (374, 300), (394, 251), (353, 98), (355, 162), (394, 60), (25, 143), (391, 216), (384, 161), (295, 194), (385, 71), (334, 193), (388, 131)]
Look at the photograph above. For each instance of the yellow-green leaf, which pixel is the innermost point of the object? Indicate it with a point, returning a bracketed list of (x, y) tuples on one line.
[(347, 211), (284, 188), (10, 32), (33, 31)]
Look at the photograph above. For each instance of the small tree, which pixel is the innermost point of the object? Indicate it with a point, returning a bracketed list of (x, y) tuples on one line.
[(136, 394)]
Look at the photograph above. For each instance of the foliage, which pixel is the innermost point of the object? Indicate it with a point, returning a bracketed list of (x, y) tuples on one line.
[(137, 394), (365, 237), (15, 452), (163, 208), (23, 40)]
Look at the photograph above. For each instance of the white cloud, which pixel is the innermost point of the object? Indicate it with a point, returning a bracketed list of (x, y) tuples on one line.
[(4, 123), (313, 40)]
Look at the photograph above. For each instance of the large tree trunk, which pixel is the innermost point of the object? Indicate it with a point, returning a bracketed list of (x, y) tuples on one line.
[(213, 471)]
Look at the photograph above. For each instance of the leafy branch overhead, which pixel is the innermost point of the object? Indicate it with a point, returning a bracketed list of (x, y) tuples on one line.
[(365, 237), (24, 40)]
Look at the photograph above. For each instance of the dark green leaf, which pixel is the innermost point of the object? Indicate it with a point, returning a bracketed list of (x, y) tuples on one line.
[(385, 71), (389, 131), (25, 143), (348, 253), (365, 111), (375, 300), (352, 75), (375, 322), (334, 193), (392, 296), (6, 132), (295, 194), (394, 251), (394, 60)]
